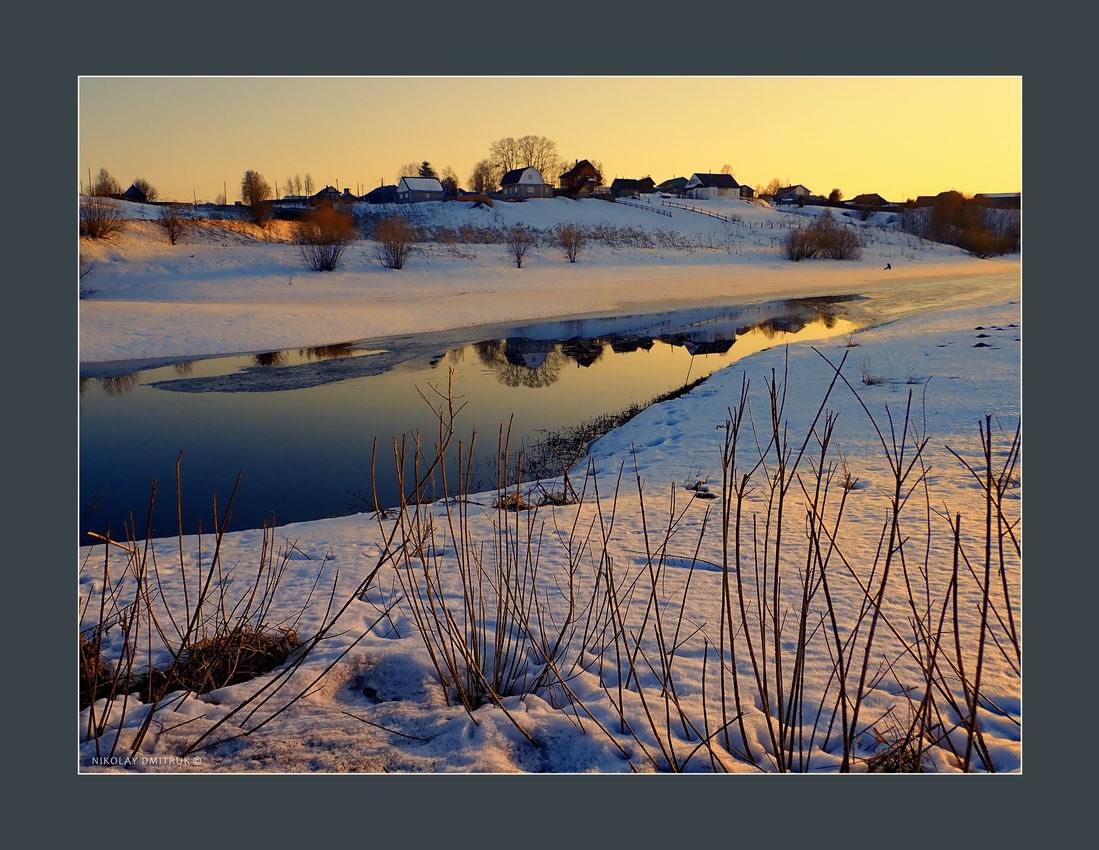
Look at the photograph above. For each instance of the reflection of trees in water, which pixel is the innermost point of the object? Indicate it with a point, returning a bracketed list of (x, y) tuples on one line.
[(270, 358), (184, 367), (327, 352), (119, 384), (513, 366), (83, 384)]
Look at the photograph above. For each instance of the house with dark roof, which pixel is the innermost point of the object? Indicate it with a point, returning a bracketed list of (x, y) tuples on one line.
[(1001, 200), (412, 190), (581, 179), (704, 186), (327, 195), (624, 187), (673, 186), (523, 183), (869, 199), (134, 194), (792, 194), (382, 195)]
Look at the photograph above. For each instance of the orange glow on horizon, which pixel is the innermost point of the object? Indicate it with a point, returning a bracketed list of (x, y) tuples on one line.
[(897, 136)]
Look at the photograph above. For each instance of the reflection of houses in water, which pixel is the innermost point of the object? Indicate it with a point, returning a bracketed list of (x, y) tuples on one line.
[(629, 344), (584, 351)]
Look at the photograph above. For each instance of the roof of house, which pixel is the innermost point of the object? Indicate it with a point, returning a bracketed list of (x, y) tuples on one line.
[(626, 183), (578, 167), (422, 184), (673, 183), (789, 190), (716, 181), (872, 198), (133, 194), (327, 191), (515, 174)]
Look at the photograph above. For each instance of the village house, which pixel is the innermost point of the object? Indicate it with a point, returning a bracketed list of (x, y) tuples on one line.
[(328, 195), (674, 186), (521, 183), (1001, 200), (869, 199), (413, 189), (384, 194), (580, 180), (792, 194), (134, 194), (623, 187), (705, 187)]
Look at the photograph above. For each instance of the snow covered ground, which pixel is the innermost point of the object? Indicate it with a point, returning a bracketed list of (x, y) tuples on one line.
[(379, 709), (221, 291)]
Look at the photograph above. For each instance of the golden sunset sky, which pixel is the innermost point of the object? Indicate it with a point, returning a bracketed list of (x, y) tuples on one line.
[(899, 137)]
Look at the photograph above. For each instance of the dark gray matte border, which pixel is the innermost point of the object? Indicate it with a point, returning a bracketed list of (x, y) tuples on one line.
[(50, 46)]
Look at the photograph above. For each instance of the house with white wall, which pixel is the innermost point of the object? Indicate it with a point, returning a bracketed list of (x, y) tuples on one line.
[(413, 189), (704, 187), (525, 183)]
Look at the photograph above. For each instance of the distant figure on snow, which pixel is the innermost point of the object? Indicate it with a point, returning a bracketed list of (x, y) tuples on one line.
[(888, 266)]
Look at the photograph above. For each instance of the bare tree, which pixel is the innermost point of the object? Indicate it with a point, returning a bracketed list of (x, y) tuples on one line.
[(572, 240), (483, 178), (395, 238), (255, 192), (173, 222), (253, 188), (309, 184), (409, 169), (105, 185), (146, 188), (504, 155), (541, 153), (297, 184), (773, 187), (538, 151), (220, 199), (290, 186), (323, 236), (449, 179), (727, 169), (520, 239), (100, 218)]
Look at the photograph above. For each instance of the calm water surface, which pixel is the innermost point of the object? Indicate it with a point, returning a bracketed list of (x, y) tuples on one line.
[(299, 424)]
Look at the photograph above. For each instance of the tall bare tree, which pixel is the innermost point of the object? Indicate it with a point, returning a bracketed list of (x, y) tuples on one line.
[(483, 178), (309, 184), (409, 169), (254, 189), (539, 151), (105, 184)]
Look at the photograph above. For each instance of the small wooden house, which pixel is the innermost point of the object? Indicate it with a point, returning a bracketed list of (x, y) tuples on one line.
[(385, 194), (581, 179), (624, 187), (134, 194), (792, 194), (522, 183), (415, 189), (674, 186)]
